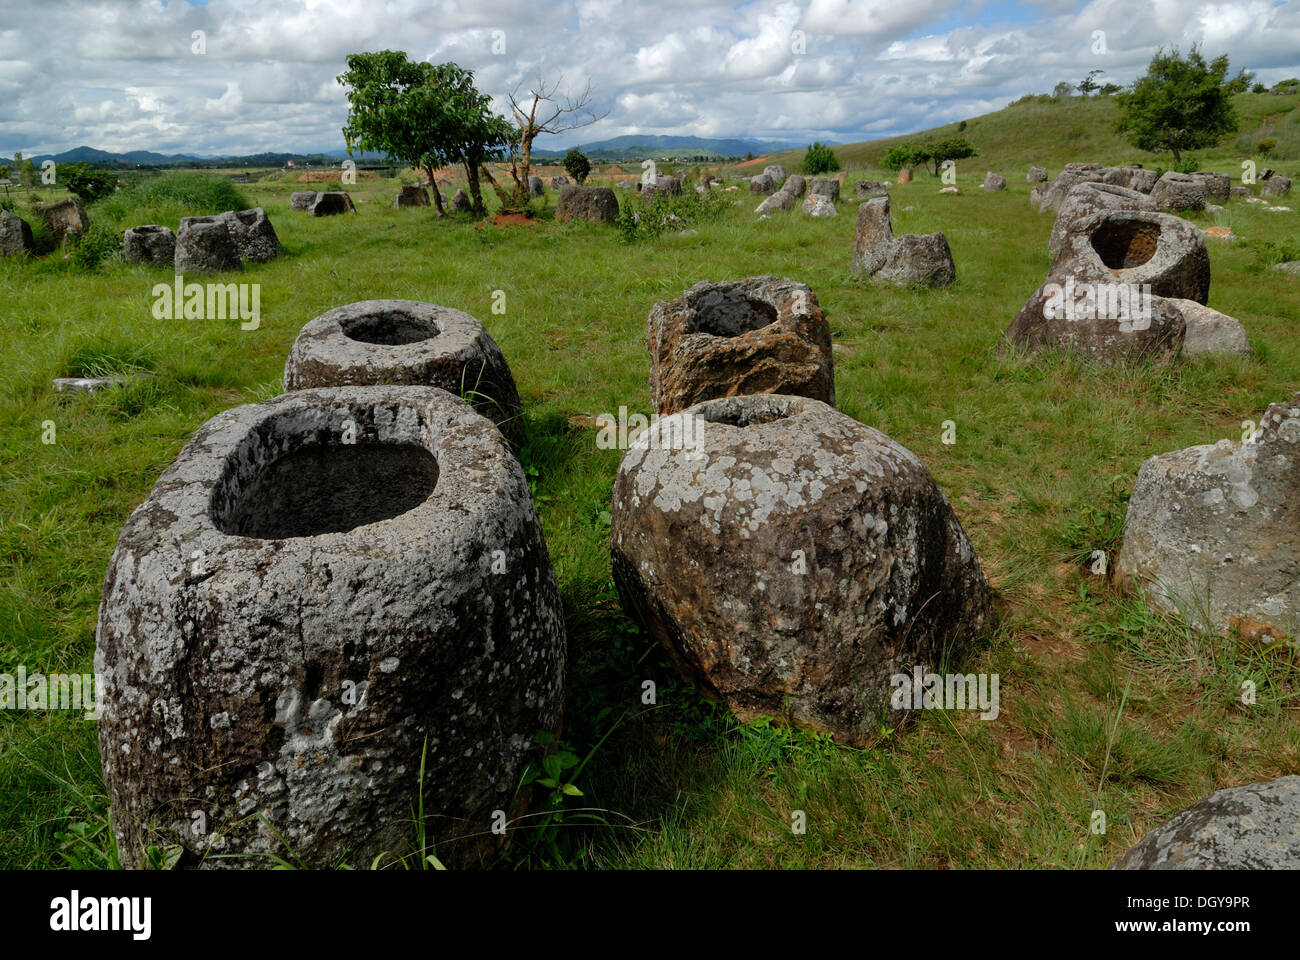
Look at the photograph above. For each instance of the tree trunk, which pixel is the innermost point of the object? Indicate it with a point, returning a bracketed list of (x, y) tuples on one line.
[(1177, 157), (502, 194), (433, 188), (475, 193)]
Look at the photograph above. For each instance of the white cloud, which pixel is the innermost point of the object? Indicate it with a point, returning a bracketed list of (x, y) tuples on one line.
[(121, 74)]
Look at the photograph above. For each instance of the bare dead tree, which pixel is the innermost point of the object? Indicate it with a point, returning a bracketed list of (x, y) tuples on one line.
[(544, 110)]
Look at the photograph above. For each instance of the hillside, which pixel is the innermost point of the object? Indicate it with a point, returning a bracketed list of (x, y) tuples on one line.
[(1051, 132)]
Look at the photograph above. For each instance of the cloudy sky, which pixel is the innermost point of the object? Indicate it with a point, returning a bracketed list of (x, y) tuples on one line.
[(124, 75)]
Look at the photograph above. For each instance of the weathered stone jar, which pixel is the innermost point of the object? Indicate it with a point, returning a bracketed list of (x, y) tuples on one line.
[(410, 343), (760, 335), (316, 589), (791, 560)]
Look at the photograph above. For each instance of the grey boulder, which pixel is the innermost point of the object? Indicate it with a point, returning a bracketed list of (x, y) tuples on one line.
[(411, 195), (1213, 531), (994, 181), (254, 236), (593, 204), (152, 244), (330, 203), (761, 184), (1179, 191), (865, 189), (1252, 827), (15, 234), (1276, 186), (819, 205), (1036, 175), (907, 260), (792, 561), (301, 199), (826, 186), (206, 245)]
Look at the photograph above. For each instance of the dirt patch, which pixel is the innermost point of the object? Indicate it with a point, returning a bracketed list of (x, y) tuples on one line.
[(513, 220)]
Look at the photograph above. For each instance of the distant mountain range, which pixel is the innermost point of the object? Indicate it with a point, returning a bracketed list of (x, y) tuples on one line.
[(638, 145), (147, 158), (629, 147)]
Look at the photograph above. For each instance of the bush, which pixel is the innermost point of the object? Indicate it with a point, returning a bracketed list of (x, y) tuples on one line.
[(901, 156), (202, 193), (1265, 146), (99, 244), (1187, 164), (87, 183), (577, 165), (819, 159), (643, 221), (167, 198)]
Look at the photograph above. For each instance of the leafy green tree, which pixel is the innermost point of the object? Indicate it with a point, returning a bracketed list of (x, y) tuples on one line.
[(421, 114), (87, 183), (1089, 83), (1062, 90), (1179, 104), (819, 158), (5, 171), (1241, 82), (936, 152), (902, 156), (27, 173), (577, 165)]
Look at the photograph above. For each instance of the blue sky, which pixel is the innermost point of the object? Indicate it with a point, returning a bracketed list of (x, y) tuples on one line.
[(129, 75)]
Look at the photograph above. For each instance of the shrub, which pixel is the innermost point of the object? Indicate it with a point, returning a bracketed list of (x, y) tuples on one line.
[(87, 183), (577, 165), (1265, 146), (202, 193), (99, 244), (904, 155), (819, 159), (643, 221), (1187, 164)]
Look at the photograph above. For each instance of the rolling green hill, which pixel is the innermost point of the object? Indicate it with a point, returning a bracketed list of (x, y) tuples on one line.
[(1050, 132)]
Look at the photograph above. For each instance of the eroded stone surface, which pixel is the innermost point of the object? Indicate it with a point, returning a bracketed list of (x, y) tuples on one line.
[(15, 234), (792, 561), (205, 245), (66, 216), (411, 195), (1179, 191), (1213, 531), (1209, 331), (152, 243), (593, 204), (300, 677), (1085, 199), (907, 260), (405, 342), (760, 335), (254, 237), (330, 203), (301, 199), (1252, 827)]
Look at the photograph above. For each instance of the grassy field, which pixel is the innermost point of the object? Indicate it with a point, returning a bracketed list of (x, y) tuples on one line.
[(1104, 705)]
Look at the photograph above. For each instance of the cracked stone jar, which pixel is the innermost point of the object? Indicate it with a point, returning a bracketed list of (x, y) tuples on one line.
[(321, 590)]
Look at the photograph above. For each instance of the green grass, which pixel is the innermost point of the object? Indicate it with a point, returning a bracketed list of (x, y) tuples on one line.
[(1045, 456)]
